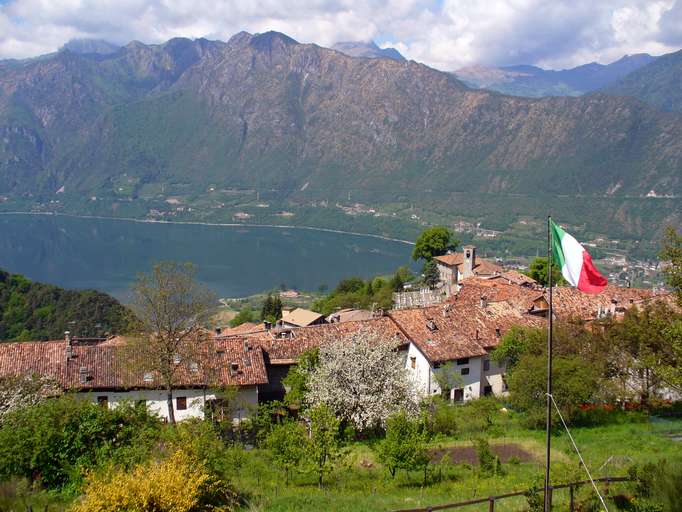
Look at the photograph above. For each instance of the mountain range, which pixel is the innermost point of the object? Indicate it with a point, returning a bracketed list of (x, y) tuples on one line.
[(307, 123), (535, 82)]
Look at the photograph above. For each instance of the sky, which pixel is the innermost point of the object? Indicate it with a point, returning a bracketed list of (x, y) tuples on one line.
[(445, 34)]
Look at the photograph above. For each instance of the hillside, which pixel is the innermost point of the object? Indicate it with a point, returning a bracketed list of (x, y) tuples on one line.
[(305, 123), (535, 82), (37, 311), (659, 83)]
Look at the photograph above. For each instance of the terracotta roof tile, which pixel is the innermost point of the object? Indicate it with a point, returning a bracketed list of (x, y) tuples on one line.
[(288, 344), (103, 367), (459, 329)]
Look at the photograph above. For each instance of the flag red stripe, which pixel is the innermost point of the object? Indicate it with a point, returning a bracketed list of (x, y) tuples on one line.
[(591, 281)]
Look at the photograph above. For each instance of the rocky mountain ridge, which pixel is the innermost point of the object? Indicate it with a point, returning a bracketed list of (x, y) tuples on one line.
[(267, 113)]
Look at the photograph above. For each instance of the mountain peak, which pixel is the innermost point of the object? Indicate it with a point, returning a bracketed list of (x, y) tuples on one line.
[(271, 39), (367, 49), (90, 46)]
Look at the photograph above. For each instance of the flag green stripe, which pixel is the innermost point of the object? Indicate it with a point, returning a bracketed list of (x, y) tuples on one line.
[(557, 251)]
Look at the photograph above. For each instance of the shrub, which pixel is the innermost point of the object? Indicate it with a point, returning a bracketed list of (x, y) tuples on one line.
[(287, 443), (658, 486), (444, 418), (404, 444), (51, 441), (180, 483), (488, 462)]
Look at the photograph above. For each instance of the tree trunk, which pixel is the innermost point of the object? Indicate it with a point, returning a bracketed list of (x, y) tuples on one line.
[(171, 411)]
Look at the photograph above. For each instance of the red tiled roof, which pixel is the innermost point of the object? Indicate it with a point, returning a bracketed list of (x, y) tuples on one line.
[(459, 329), (516, 277), (242, 329), (295, 341), (522, 298), (105, 369), (570, 302)]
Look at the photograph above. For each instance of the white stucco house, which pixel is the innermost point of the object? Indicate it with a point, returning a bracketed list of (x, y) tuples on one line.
[(451, 343), (455, 267), (94, 370)]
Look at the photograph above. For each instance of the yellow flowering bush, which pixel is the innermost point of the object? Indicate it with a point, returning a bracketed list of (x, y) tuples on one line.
[(178, 483)]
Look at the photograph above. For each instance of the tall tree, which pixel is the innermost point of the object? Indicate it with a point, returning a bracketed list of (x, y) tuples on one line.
[(324, 446), (431, 274), (434, 241), (172, 307), (671, 254)]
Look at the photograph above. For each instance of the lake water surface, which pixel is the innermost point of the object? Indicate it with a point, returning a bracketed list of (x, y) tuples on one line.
[(106, 254)]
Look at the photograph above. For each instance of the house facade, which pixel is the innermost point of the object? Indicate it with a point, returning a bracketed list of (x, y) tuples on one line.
[(96, 371)]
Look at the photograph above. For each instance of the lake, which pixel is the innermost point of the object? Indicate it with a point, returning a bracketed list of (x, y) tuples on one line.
[(235, 261)]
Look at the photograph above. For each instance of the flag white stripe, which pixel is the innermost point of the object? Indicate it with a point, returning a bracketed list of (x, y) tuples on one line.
[(573, 259)]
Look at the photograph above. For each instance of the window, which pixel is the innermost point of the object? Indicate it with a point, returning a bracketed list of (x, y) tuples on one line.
[(486, 365), (459, 395), (181, 403), (413, 362), (464, 360), (465, 371), (103, 401)]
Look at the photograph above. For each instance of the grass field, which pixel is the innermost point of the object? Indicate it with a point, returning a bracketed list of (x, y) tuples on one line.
[(363, 485), (360, 483)]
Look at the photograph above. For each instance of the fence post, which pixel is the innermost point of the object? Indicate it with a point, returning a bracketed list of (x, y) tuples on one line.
[(550, 491), (571, 499), (491, 504)]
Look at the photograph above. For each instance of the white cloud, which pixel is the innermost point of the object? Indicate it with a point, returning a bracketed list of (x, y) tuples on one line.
[(446, 34)]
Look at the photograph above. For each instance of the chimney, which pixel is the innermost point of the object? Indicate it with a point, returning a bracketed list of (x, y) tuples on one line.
[(83, 374), (498, 333), (469, 262), (218, 331), (247, 348), (69, 347), (267, 325), (484, 301)]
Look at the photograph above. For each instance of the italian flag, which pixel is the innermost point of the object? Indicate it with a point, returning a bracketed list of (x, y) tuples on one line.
[(575, 262)]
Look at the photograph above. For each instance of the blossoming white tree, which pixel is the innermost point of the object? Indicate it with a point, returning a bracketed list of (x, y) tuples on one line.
[(362, 378)]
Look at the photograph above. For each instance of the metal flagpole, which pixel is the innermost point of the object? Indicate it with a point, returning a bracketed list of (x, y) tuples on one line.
[(549, 365)]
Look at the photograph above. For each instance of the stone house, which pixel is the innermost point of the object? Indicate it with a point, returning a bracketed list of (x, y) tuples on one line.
[(455, 267)]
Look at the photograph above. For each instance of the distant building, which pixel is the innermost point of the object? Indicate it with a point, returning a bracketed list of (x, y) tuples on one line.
[(300, 317), (455, 267), (350, 315)]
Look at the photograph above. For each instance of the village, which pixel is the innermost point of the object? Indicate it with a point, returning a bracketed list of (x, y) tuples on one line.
[(453, 328)]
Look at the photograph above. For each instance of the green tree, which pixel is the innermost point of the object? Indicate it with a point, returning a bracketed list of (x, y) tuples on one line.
[(297, 378), (575, 382), (516, 342), (397, 283), (671, 254), (245, 315), (404, 446), (51, 439), (647, 347), (538, 271), (434, 241), (431, 274), (287, 443), (324, 446), (267, 311)]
